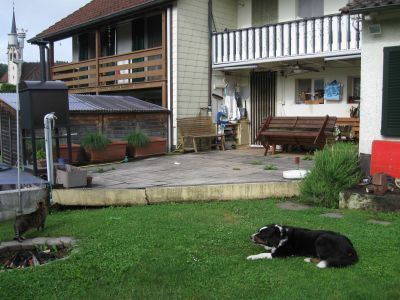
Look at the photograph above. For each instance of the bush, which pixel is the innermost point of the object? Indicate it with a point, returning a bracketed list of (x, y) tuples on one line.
[(336, 169), (137, 139), (8, 88), (95, 141)]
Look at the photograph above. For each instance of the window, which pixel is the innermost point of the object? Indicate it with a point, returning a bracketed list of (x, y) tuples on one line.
[(310, 8), (353, 89), (391, 92), (309, 89)]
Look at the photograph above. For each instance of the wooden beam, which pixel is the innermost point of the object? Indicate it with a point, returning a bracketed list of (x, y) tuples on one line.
[(51, 59), (98, 54)]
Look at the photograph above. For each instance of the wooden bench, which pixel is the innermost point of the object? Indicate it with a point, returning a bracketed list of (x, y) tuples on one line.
[(192, 130), (305, 131), (353, 130)]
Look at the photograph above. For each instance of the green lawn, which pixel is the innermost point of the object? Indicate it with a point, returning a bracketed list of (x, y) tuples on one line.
[(198, 251)]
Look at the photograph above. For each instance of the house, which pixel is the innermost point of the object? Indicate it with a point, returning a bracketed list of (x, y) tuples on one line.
[(155, 50), (283, 55), (277, 56), (380, 74)]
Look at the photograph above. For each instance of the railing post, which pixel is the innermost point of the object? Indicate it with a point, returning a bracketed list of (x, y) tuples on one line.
[(98, 54), (348, 32)]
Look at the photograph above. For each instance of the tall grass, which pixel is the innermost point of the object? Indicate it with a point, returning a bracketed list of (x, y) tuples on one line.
[(336, 169)]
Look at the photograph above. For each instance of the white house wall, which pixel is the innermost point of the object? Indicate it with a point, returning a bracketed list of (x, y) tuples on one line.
[(372, 81), (286, 94), (287, 10)]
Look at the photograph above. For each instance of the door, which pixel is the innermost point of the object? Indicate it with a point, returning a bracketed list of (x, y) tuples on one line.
[(262, 99)]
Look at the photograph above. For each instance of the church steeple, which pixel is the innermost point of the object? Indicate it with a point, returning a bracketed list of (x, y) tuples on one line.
[(13, 25)]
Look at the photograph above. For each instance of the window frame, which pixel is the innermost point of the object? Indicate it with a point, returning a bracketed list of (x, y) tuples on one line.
[(312, 90)]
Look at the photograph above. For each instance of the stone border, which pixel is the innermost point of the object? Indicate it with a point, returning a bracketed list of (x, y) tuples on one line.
[(31, 244), (155, 195)]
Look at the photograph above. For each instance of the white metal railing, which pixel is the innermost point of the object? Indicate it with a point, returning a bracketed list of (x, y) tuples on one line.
[(306, 37)]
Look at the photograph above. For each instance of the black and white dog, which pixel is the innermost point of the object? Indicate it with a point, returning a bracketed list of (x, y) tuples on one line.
[(326, 248)]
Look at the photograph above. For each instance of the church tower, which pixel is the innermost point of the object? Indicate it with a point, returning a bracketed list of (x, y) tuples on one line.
[(15, 51)]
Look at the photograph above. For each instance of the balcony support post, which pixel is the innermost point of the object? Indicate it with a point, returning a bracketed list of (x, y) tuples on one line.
[(51, 60), (164, 59), (98, 54)]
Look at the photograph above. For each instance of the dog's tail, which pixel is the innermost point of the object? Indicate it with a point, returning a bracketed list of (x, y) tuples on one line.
[(343, 261)]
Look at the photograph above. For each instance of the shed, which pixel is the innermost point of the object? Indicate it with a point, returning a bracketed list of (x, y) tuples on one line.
[(113, 116)]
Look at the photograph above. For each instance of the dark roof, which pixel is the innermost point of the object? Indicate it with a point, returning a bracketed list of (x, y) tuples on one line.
[(93, 12), (30, 71), (367, 5), (4, 78), (13, 26), (98, 103)]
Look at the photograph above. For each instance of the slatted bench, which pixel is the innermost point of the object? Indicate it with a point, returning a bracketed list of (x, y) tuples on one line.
[(192, 130), (305, 131), (354, 127)]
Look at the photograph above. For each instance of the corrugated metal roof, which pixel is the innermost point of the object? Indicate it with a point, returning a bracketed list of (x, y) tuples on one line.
[(357, 5), (98, 103)]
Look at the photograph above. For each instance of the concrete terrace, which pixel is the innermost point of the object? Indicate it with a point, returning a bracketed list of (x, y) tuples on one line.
[(213, 175)]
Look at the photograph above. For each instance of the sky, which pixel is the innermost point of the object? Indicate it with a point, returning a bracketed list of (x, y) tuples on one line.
[(36, 16)]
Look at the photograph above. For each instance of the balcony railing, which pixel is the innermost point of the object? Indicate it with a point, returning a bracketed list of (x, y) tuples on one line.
[(135, 68), (323, 36)]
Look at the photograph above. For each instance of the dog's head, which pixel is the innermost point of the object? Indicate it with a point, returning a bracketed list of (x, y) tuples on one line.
[(270, 236)]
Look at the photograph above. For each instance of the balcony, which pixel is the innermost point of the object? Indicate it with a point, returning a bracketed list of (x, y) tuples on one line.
[(134, 70), (331, 35)]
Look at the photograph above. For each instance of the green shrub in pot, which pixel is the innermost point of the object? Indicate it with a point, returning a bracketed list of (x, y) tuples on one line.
[(95, 141), (137, 139)]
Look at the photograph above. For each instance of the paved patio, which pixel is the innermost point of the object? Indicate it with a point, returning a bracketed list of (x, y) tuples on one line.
[(192, 169)]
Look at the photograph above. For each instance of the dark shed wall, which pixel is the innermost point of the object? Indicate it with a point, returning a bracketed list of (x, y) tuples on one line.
[(8, 131), (117, 126)]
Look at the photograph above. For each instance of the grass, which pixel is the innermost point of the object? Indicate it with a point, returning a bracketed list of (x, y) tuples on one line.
[(198, 251), (270, 167), (256, 162)]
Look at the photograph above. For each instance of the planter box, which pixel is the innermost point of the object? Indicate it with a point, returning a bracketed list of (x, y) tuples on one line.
[(75, 149), (70, 176), (156, 146), (113, 152)]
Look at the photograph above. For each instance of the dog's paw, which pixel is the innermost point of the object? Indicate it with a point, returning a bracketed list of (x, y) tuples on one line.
[(252, 257), (260, 256), (322, 264)]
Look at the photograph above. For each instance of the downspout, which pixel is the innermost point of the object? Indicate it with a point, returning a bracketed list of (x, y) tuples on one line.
[(209, 53), (169, 93)]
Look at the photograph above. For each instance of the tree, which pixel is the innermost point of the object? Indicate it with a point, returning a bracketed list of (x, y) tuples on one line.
[(3, 69)]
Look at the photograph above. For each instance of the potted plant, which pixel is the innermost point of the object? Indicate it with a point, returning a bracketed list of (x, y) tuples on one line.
[(75, 150), (41, 158), (141, 145), (101, 149)]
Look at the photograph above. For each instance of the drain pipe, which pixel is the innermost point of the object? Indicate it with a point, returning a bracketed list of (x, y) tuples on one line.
[(49, 122), (20, 209)]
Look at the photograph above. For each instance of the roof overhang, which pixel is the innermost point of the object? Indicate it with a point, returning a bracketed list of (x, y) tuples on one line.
[(69, 31), (367, 10)]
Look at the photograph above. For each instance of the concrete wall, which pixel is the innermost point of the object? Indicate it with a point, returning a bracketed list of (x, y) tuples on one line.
[(286, 94), (9, 201), (372, 79)]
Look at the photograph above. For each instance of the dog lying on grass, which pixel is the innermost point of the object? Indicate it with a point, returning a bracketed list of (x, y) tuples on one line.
[(326, 248)]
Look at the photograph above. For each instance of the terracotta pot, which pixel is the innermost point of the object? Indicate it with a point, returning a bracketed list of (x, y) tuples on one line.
[(75, 149), (113, 152), (156, 146)]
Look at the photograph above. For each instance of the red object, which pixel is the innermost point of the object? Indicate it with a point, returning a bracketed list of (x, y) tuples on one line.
[(75, 148), (385, 158), (113, 152), (156, 146)]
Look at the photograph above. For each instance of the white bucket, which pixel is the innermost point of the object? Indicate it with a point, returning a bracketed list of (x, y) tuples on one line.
[(295, 174)]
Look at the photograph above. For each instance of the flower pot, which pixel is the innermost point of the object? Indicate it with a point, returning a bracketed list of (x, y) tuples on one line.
[(115, 151), (75, 150), (156, 146)]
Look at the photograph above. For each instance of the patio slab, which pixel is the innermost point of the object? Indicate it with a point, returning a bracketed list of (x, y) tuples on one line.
[(203, 176)]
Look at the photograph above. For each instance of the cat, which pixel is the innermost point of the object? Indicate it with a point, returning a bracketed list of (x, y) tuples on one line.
[(25, 222)]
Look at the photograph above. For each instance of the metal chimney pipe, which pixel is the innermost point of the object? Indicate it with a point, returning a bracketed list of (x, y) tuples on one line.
[(42, 62)]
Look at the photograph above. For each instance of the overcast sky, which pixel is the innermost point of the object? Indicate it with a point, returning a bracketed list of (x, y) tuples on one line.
[(35, 16)]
